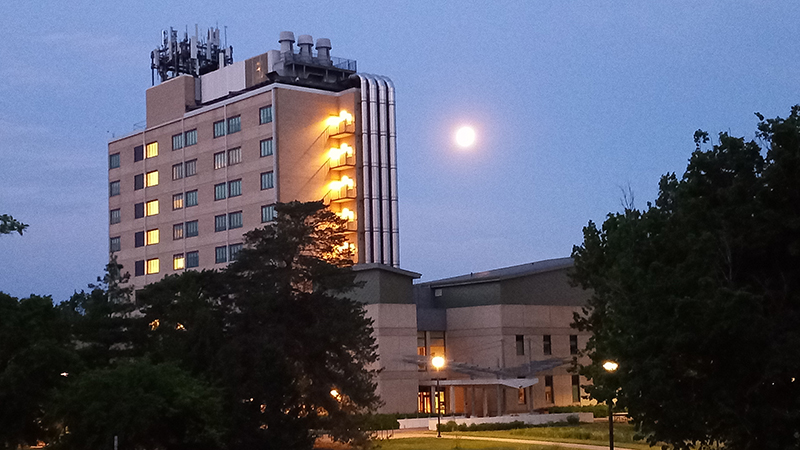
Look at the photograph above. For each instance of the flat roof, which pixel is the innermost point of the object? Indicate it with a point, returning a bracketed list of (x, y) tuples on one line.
[(502, 273)]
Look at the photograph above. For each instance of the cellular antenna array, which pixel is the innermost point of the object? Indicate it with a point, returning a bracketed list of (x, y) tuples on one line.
[(190, 56)]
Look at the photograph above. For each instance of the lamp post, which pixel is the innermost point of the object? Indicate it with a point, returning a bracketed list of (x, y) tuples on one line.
[(438, 363), (610, 367)]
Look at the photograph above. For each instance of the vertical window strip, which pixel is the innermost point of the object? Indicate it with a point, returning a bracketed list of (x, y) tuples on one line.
[(266, 147)]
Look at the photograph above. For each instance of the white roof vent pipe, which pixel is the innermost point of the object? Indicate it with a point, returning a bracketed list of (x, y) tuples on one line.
[(305, 42), (324, 50), (286, 39)]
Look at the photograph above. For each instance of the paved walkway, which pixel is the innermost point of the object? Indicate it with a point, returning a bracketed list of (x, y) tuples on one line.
[(419, 434)]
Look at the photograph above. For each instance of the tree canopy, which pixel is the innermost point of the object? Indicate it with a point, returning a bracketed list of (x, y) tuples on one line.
[(10, 225), (697, 297)]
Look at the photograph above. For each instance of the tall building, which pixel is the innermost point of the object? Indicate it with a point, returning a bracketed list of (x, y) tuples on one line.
[(224, 141)]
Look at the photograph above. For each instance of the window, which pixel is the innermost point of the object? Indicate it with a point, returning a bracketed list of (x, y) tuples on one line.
[(191, 168), (219, 160), (520, 340), (152, 266), (114, 244), (177, 231), (266, 147), (436, 342), (267, 213), (177, 171), (219, 128), (191, 228), (548, 389), (233, 251), (177, 201), (521, 396), (152, 150), (573, 344), (576, 388), (235, 188), (151, 208), (547, 346), (191, 198), (138, 182), (152, 237), (177, 141), (113, 161), (422, 349), (220, 191), (235, 220), (234, 156), (220, 223), (138, 155), (138, 210), (138, 269), (265, 115), (267, 180), (152, 178), (221, 254), (191, 138), (115, 216), (113, 188), (138, 239), (178, 261), (192, 259), (234, 124)]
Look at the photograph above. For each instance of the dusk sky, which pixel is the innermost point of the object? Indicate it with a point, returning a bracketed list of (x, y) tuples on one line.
[(571, 101)]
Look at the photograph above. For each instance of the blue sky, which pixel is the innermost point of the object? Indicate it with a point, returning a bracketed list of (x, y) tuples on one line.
[(572, 102)]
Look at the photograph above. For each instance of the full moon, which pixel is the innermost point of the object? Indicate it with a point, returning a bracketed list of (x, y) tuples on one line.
[(465, 136)]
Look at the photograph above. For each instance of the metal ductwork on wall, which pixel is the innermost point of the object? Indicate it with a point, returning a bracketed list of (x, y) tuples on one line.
[(379, 170)]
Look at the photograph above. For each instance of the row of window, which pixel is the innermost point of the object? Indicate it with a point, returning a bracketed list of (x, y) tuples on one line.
[(189, 138), (189, 168), (180, 261), (547, 344), (187, 199)]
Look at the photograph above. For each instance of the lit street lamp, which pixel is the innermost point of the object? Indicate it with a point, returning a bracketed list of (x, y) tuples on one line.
[(610, 367), (438, 363)]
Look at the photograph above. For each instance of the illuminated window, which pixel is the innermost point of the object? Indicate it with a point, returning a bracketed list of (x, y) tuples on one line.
[(267, 180), (152, 178), (152, 237), (138, 181), (437, 343), (520, 341), (219, 160), (265, 115), (191, 138), (233, 251), (191, 168), (113, 188), (548, 389), (177, 231), (138, 239), (234, 124), (576, 388), (115, 216), (152, 150), (177, 171), (114, 244), (220, 223), (138, 268), (521, 397), (547, 345), (178, 261), (219, 128), (152, 266), (177, 141), (221, 254), (191, 198), (192, 259), (267, 213), (422, 350), (573, 344), (113, 161), (177, 201), (220, 191), (235, 188), (266, 148), (138, 210), (191, 228), (234, 156), (138, 155), (151, 208), (235, 220)]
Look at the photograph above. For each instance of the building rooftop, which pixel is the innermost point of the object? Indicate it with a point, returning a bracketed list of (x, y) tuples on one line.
[(503, 273)]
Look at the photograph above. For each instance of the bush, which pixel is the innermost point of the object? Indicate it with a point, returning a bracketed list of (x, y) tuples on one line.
[(573, 420), (597, 410), (374, 422)]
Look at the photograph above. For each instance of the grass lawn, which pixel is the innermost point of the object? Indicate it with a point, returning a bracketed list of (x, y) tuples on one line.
[(589, 433), (449, 444)]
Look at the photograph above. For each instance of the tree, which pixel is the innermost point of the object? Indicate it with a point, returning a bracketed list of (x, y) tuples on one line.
[(9, 225), (697, 298), (275, 330)]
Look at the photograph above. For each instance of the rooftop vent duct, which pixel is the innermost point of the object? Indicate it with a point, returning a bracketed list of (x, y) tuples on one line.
[(286, 40), (305, 42), (324, 51)]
